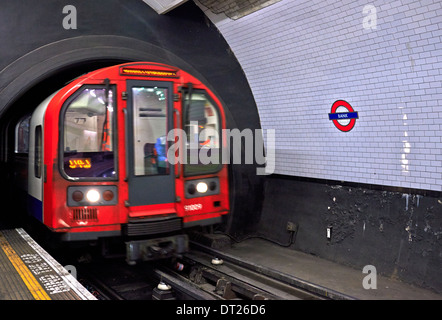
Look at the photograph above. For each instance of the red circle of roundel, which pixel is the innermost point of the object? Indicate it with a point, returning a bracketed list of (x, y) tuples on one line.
[(345, 104)]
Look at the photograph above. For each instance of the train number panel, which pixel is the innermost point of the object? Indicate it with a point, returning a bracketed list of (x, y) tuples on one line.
[(131, 151)]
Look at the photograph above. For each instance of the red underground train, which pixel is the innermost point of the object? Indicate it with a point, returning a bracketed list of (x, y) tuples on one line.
[(130, 151)]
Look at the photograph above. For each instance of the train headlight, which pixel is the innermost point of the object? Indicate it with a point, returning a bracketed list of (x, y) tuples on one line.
[(90, 195), (191, 189), (77, 196), (202, 187), (108, 195), (93, 195)]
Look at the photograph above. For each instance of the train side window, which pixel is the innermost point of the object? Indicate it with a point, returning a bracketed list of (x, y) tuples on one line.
[(22, 135), (203, 133), (38, 152), (88, 141)]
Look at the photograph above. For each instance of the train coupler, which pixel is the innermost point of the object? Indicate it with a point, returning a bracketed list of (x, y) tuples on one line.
[(155, 249)]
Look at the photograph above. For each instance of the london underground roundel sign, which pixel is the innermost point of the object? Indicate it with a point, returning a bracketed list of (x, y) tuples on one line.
[(343, 115)]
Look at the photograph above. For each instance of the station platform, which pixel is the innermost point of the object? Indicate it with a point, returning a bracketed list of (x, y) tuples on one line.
[(28, 272), (326, 274)]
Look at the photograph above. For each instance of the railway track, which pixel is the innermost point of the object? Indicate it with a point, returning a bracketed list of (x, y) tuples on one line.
[(201, 274), (297, 286), (206, 278)]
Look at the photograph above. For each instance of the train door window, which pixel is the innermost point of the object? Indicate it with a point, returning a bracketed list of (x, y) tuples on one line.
[(88, 134), (150, 130), (38, 152), (202, 127), (22, 135)]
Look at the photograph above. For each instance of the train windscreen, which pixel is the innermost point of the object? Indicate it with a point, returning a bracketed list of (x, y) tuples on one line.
[(88, 128), (202, 126)]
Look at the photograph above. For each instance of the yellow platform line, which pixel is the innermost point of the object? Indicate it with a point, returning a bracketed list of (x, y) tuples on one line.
[(28, 278)]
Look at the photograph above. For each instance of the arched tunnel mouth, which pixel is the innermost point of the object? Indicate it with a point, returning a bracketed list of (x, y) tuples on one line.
[(29, 98), (32, 78)]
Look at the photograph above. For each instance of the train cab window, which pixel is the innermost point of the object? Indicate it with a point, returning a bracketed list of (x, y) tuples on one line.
[(202, 127), (88, 134), (22, 135)]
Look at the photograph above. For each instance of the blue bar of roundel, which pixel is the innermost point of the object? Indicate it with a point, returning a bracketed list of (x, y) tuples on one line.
[(343, 115)]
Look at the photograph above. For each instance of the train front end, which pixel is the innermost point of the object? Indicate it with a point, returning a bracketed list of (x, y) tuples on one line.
[(134, 152)]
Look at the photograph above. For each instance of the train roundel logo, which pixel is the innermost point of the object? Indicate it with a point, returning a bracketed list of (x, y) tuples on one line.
[(343, 115)]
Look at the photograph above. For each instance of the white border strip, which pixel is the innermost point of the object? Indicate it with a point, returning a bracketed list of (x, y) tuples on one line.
[(82, 292)]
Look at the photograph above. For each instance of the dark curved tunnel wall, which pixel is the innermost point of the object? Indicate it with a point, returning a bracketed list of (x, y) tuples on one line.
[(39, 55)]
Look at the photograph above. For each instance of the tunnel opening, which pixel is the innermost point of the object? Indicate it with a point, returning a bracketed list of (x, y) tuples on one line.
[(31, 79)]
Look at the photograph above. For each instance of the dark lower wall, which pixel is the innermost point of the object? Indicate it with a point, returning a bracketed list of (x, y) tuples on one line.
[(396, 230)]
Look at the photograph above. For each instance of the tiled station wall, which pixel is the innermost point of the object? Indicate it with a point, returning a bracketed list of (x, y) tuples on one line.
[(383, 57)]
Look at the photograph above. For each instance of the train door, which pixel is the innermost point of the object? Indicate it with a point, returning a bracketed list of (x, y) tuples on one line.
[(149, 118), (35, 161)]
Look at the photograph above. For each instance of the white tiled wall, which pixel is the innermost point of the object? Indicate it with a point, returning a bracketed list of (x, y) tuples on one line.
[(301, 56)]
